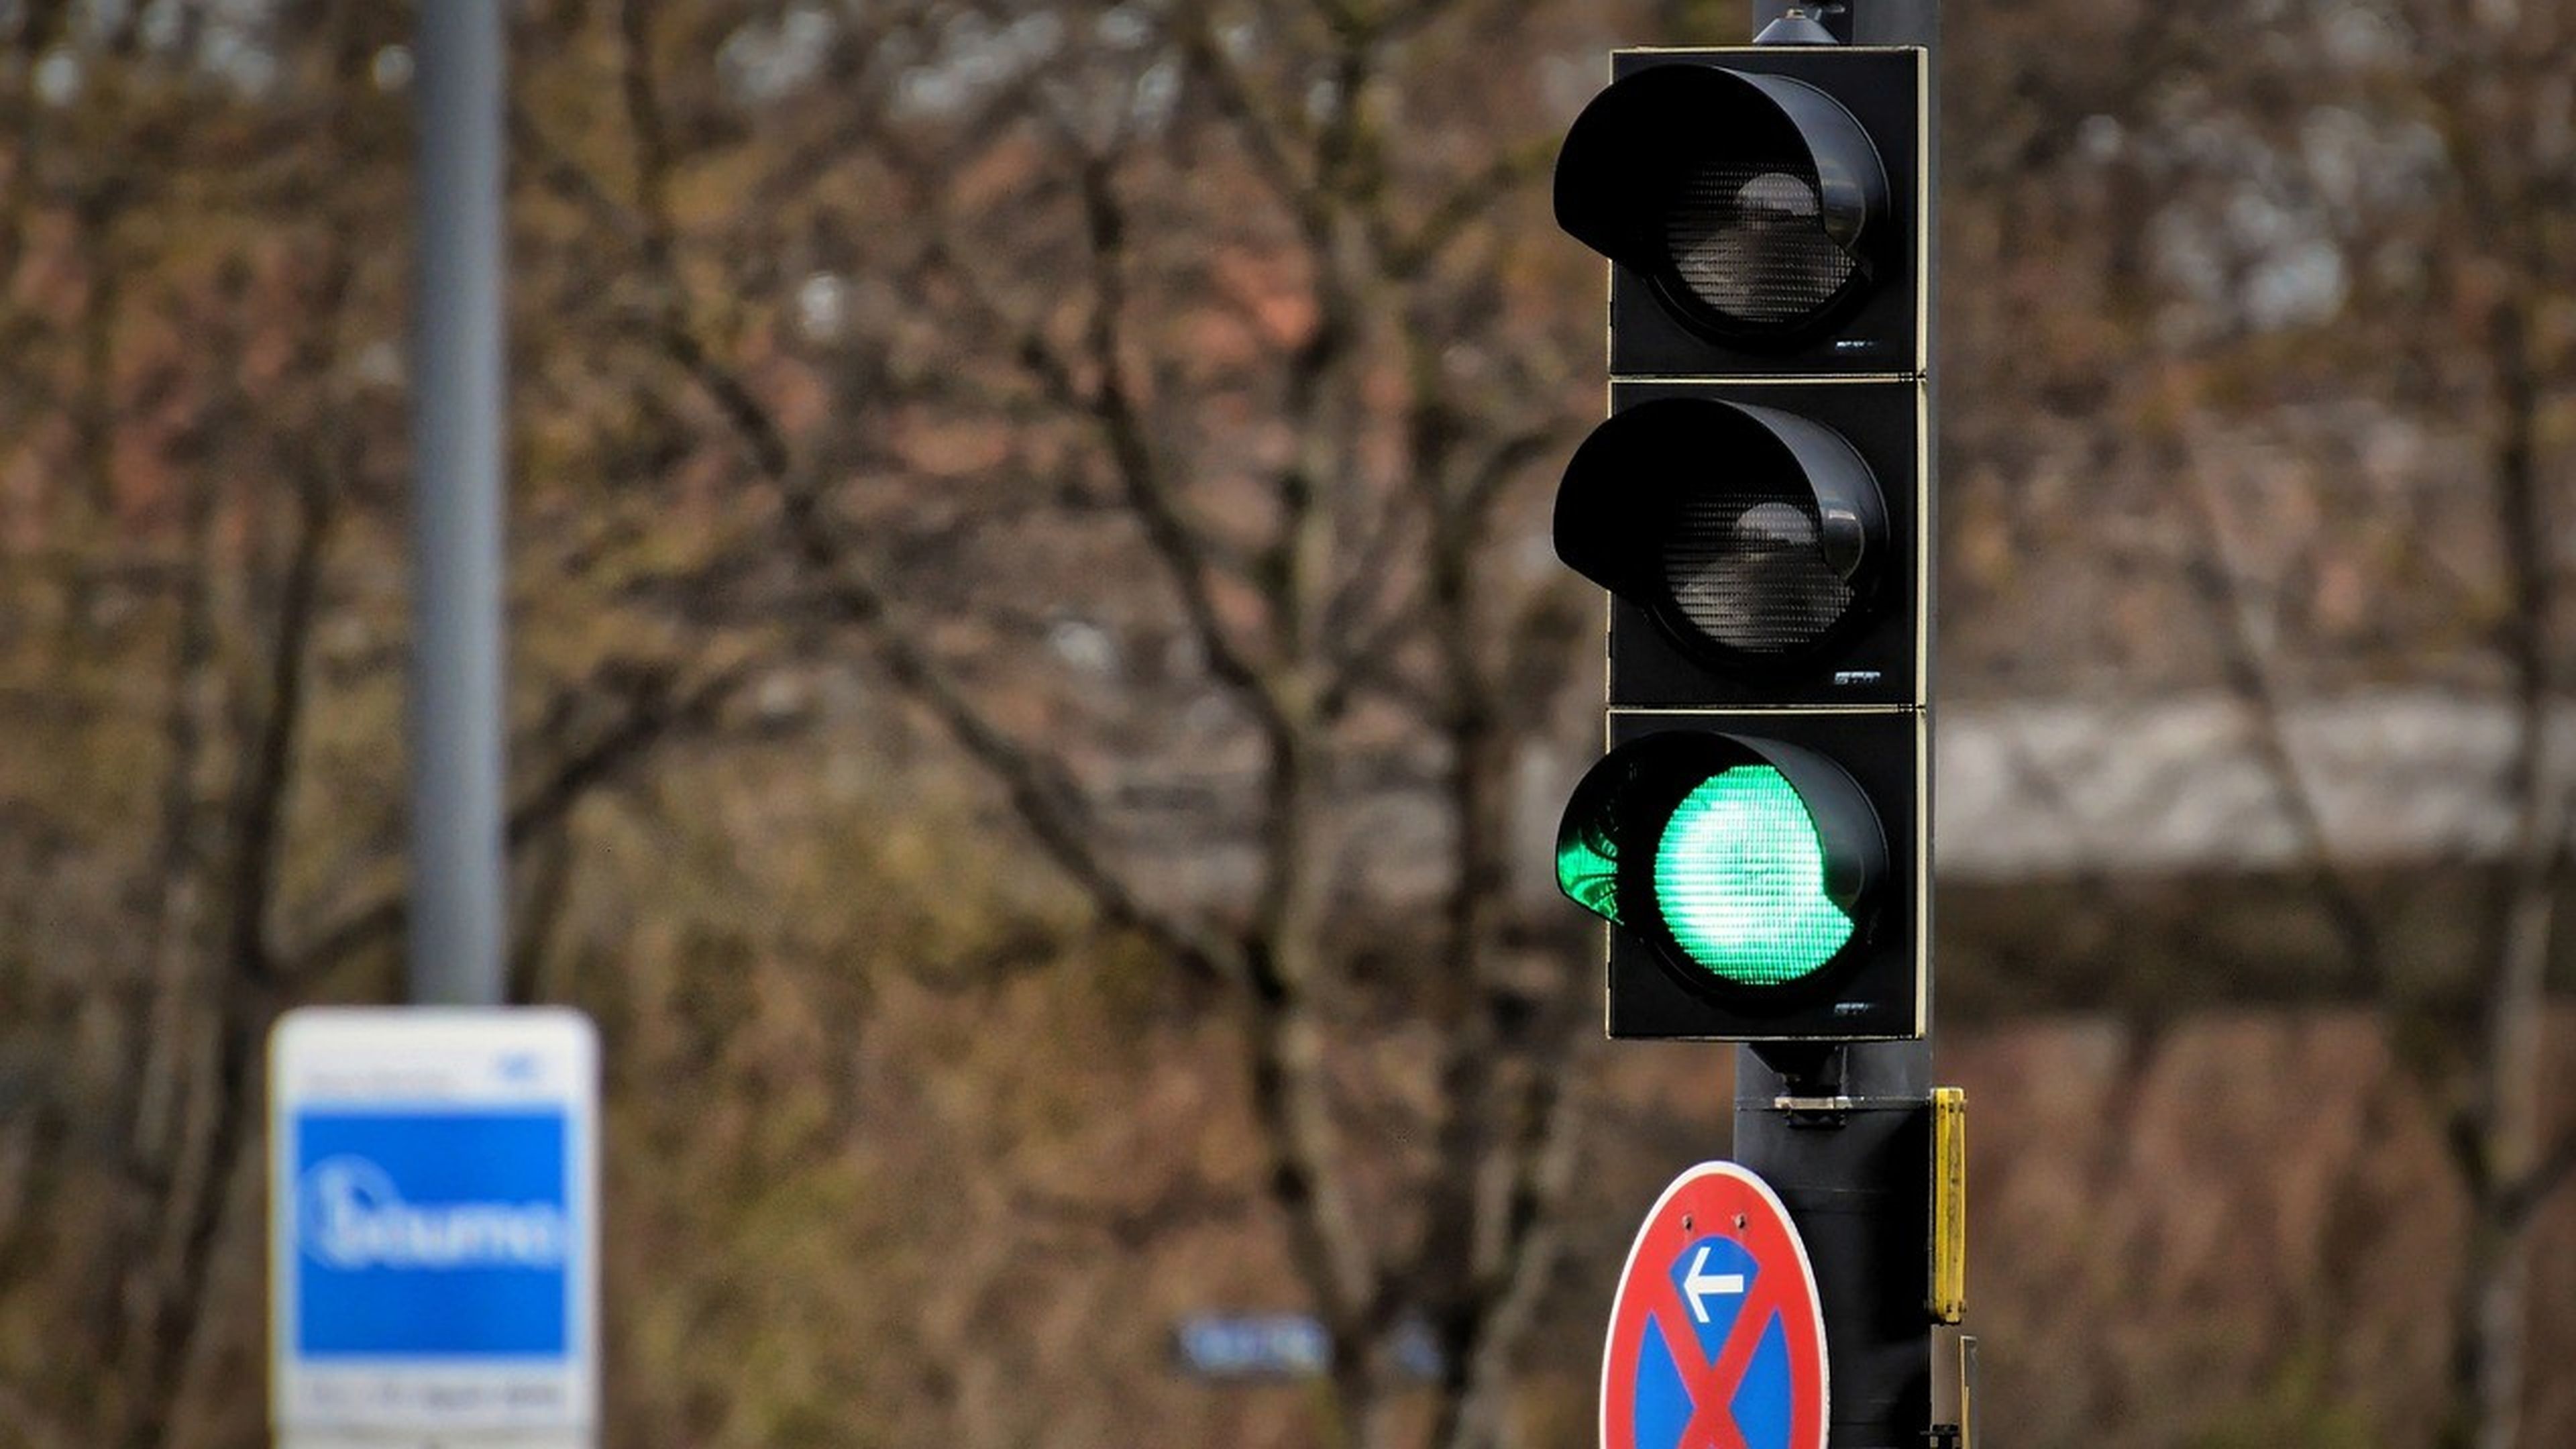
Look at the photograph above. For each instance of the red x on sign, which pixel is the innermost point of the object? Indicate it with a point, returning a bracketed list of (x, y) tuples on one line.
[(1716, 1337)]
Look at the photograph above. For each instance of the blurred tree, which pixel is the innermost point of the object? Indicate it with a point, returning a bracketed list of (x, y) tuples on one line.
[(2442, 258), (1158, 399), (1221, 328), (199, 288)]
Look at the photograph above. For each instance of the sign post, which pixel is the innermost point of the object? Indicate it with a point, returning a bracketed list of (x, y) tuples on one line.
[(433, 1201)]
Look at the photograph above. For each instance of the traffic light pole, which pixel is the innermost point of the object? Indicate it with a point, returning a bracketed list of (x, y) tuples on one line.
[(1843, 1131), (1847, 1144)]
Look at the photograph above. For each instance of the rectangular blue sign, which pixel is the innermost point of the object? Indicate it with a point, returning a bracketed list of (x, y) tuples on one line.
[(1284, 1346), (442, 1233)]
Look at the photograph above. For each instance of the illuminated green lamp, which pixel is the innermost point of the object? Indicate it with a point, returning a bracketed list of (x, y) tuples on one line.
[(1748, 863), (1740, 880)]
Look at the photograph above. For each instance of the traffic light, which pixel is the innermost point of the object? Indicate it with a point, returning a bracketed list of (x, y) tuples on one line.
[(1758, 507)]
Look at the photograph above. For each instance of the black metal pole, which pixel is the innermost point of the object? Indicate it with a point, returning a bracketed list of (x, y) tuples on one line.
[(1850, 1157), (1844, 1135)]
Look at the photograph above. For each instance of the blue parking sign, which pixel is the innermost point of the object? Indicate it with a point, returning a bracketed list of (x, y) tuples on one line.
[(434, 1257), (432, 1233)]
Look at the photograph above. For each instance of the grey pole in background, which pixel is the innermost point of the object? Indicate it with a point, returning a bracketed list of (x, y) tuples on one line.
[(458, 874)]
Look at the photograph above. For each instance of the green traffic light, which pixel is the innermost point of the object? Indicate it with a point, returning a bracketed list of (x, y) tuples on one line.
[(1740, 880)]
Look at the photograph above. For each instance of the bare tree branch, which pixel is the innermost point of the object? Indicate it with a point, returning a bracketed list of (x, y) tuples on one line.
[(1410, 254), (2254, 680), (1523, 1222), (1189, 1201), (1331, 177), (568, 178), (1149, 489), (1047, 801), (261, 801), (1271, 137), (652, 714), (2524, 1198)]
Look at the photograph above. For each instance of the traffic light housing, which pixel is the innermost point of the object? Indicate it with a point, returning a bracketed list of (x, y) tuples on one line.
[(1758, 507), (1763, 209), (1762, 542)]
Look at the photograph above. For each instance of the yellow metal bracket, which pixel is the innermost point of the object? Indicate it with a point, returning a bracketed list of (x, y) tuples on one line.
[(1948, 1299)]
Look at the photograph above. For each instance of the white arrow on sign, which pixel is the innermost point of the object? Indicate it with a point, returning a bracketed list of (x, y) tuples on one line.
[(1697, 1286)]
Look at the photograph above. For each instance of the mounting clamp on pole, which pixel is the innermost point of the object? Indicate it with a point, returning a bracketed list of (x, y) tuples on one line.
[(1808, 24), (1811, 1081), (1849, 22)]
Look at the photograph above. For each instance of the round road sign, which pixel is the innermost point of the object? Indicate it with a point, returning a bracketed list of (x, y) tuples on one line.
[(1716, 1337)]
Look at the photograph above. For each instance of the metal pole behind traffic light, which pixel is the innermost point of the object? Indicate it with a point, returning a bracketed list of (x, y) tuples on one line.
[(1848, 1147), (1844, 1133)]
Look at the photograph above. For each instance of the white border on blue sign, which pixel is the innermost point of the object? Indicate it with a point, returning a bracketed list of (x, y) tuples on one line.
[(435, 1059)]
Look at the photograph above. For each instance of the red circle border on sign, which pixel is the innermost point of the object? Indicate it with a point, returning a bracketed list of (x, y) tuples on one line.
[(1711, 1195)]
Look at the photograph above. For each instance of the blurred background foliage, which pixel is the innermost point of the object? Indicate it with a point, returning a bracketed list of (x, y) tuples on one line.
[(1040, 695)]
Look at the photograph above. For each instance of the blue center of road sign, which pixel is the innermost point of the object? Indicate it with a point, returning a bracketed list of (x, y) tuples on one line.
[(1685, 1354), (432, 1234)]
